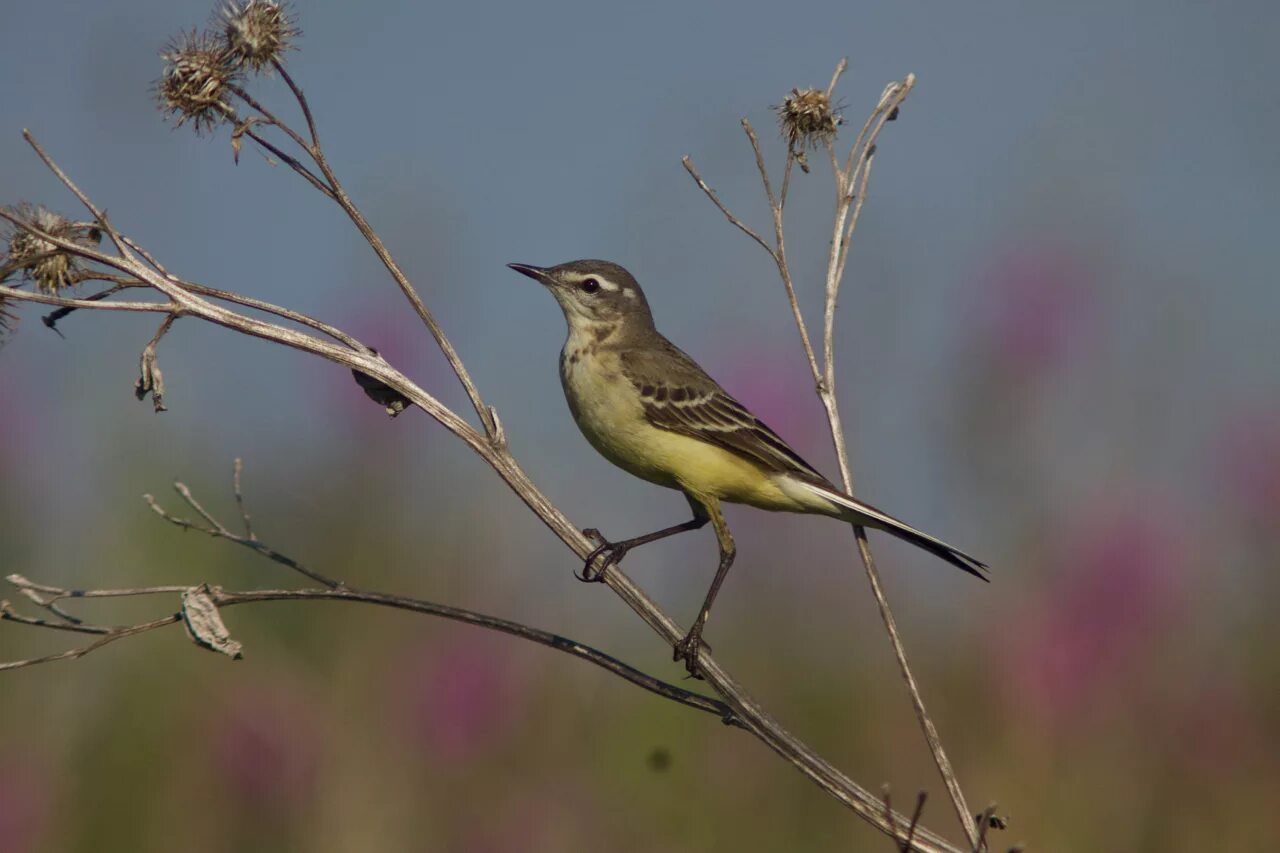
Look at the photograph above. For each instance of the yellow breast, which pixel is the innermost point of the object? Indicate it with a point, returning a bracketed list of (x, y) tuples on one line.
[(608, 410)]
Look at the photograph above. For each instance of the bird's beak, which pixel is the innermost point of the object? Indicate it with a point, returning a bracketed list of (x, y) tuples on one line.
[(538, 274)]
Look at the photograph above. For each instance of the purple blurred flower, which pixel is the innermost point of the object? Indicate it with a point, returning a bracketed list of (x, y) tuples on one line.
[(18, 432), (265, 742), (777, 387), (461, 696), (1039, 308), (1249, 460), (25, 801), (1117, 585), (402, 340)]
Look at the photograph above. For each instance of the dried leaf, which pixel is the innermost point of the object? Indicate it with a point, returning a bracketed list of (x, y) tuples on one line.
[(204, 624), (381, 393)]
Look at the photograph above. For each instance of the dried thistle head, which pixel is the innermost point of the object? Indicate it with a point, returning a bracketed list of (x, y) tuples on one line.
[(50, 267), (258, 32), (807, 119), (197, 69)]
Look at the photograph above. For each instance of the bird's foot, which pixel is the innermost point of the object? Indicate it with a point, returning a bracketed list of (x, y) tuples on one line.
[(687, 649), (611, 552)]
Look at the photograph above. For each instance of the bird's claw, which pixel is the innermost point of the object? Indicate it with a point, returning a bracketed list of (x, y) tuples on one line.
[(611, 551), (688, 649)]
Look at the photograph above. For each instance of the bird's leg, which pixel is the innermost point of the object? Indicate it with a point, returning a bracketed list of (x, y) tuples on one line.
[(613, 552), (688, 648)]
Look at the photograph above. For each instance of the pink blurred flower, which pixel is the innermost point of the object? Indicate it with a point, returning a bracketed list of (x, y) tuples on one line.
[(1038, 309), (25, 802), (462, 696), (1249, 466), (402, 340), (266, 744), (1117, 584), (19, 437), (777, 388)]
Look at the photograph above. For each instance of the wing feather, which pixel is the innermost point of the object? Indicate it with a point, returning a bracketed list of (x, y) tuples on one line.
[(679, 396)]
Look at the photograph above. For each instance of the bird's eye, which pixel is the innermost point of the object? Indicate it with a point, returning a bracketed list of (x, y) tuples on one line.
[(590, 285)]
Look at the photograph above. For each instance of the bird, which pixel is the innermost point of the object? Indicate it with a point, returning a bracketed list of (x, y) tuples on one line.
[(649, 408)]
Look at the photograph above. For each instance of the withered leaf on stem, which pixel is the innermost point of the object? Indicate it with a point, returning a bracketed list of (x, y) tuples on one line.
[(204, 623)]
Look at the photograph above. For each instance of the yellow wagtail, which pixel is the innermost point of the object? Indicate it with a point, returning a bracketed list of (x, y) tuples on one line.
[(652, 411)]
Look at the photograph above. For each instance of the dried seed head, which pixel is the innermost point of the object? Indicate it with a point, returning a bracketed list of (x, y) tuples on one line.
[(807, 119), (258, 32), (48, 266), (198, 67)]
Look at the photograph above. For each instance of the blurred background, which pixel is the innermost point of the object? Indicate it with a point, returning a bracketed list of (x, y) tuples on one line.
[(1057, 350)]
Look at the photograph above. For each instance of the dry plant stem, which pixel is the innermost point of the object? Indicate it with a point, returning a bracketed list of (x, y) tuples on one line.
[(851, 184), (48, 597), (339, 195), (244, 513), (226, 598), (849, 203), (127, 282), (493, 449), (219, 531)]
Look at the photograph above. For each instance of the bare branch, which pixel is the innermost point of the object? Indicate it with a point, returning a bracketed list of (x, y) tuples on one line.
[(715, 199), (339, 195), (47, 299), (225, 598), (292, 162), (301, 99), (217, 530), (854, 176), (842, 234), (237, 469), (779, 236), (841, 67), (111, 637), (98, 215)]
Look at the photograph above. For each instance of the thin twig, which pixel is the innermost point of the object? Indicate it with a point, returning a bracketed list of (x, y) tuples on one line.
[(300, 98), (779, 236), (53, 317), (890, 101), (218, 531), (841, 66), (58, 593), (339, 195), (851, 183), (236, 471), (711, 194), (223, 598), (8, 614), (292, 162), (80, 652), (47, 299), (99, 215)]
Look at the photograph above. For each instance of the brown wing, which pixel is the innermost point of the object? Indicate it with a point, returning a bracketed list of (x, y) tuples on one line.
[(679, 396)]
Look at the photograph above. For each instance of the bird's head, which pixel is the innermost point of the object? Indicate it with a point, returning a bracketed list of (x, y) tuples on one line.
[(593, 293)]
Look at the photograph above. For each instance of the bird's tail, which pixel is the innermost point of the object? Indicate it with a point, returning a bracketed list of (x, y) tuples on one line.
[(864, 515)]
